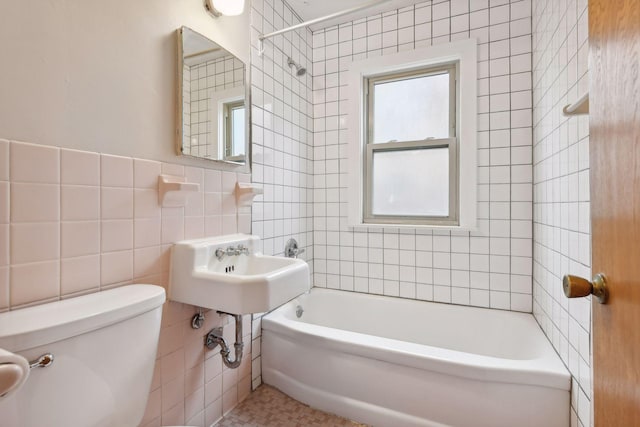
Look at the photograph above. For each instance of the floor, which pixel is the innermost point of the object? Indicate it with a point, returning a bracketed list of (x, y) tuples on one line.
[(268, 407)]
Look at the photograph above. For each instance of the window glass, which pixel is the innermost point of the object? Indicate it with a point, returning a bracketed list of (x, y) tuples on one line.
[(411, 109), (411, 182), (237, 131)]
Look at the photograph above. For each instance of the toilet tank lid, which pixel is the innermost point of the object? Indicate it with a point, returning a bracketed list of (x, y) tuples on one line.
[(46, 323)]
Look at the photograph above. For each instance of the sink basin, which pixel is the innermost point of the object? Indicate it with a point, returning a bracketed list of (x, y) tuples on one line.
[(238, 283)]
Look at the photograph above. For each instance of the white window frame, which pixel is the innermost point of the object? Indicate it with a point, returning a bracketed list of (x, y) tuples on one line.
[(217, 119), (464, 53), (227, 131), (450, 143)]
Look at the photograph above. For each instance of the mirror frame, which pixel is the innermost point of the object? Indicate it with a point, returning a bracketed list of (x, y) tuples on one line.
[(224, 164)]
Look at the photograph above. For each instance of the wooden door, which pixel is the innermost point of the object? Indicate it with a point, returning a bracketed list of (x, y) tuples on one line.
[(614, 121)]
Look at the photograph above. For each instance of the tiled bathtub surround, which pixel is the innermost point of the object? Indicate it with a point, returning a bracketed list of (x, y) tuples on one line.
[(73, 222), (490, 267), (562, 234), (282, 132)]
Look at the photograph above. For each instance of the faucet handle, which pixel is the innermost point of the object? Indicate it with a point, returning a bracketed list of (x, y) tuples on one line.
[(220, 254), (292, 250)]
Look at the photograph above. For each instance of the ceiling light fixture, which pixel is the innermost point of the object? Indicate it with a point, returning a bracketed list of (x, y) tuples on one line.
[(225, 7)]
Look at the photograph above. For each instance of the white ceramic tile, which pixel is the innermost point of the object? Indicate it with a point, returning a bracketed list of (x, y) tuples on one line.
[(556, 186)]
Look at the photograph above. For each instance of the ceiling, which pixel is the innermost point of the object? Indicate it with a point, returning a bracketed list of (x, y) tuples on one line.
[(198, 49), (311, 9)]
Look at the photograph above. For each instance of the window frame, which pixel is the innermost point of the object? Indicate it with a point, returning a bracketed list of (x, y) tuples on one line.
[(468, 123), (451, 219), (450, 143), (228, 128)]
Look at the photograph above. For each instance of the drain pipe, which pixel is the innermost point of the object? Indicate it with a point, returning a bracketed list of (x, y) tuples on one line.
[(215, 338)]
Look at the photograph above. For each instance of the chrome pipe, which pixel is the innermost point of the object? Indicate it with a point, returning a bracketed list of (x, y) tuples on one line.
[(214, 338)]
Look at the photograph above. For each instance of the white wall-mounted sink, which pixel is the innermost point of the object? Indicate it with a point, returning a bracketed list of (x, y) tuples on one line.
[(238, 283)]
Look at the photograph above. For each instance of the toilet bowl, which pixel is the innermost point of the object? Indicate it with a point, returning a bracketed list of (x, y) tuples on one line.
[(103, 347)]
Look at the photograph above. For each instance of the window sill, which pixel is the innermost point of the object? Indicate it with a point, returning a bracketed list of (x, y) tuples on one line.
[(362, 227)]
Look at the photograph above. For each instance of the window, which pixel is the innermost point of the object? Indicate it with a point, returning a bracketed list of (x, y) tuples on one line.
[(411, 128), (234, 131), (228, 125), (411, 165)]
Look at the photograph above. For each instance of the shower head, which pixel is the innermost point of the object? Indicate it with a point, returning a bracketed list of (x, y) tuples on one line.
[(300, 70)]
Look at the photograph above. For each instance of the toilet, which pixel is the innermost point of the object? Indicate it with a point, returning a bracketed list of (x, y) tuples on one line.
[(104, 348)]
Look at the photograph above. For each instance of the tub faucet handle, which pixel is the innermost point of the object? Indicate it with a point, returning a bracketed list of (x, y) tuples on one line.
[(291, 249)]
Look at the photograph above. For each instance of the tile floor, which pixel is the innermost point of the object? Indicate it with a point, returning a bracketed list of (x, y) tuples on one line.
[(268, 407)]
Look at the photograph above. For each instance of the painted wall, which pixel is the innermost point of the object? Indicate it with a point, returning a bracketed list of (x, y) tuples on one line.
[(489, 268), (282, 138), (562, 234), (101, 76)]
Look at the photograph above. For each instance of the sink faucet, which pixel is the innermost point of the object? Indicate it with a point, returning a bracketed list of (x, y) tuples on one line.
[(231, 251)]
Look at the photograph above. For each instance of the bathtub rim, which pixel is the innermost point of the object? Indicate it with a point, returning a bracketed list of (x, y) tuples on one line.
[(546, 370)]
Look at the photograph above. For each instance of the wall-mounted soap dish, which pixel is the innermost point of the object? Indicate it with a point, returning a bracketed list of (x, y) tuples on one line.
[(245, 192), (173, 190)]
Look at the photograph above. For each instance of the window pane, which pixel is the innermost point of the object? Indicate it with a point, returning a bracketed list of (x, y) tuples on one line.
[(237, 129), (411, 182), (412, 109)]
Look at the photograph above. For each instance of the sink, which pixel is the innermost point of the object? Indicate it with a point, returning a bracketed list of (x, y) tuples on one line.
[(229, 274)]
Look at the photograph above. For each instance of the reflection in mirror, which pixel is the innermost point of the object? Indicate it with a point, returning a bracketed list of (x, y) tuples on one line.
[(214, 99)]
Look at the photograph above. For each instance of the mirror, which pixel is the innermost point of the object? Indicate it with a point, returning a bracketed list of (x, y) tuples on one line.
[(213, 116)]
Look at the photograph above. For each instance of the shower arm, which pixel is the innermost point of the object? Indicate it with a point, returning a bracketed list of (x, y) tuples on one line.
[(263, 37)]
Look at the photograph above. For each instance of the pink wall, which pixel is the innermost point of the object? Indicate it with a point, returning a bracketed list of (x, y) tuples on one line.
[(74, 222)]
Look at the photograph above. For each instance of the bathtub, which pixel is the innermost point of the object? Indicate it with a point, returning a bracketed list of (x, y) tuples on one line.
[(395, 362)]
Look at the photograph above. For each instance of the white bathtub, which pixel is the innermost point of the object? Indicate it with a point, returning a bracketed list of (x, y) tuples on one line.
[(396, 362)]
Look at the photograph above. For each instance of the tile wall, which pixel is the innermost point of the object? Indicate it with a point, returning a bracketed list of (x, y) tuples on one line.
[(74, 222), (212, 76), (562, 234), (282, 138), (491, 267), (186, 106)]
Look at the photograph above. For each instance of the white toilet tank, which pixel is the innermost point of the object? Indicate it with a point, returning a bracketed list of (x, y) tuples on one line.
[(104, 347)]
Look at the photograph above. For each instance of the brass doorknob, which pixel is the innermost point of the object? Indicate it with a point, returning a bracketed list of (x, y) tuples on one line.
[(576, 287)]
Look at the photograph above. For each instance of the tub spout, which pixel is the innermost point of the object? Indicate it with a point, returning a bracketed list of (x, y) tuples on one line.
[(215, 338)]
